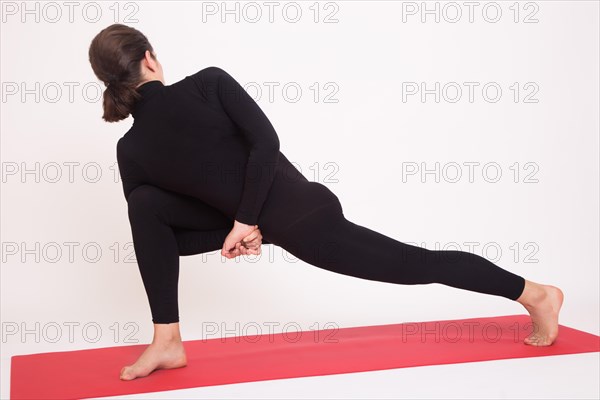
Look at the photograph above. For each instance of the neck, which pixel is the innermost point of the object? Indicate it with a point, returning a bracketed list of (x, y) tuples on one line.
[(147, 90)]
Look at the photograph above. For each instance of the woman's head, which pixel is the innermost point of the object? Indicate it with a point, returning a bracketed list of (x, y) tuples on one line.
[(123, 58)]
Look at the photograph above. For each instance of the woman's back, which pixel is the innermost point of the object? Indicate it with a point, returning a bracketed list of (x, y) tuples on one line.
[(203, 136)]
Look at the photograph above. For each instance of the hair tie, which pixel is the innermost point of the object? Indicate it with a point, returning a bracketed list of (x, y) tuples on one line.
[(112, 81)]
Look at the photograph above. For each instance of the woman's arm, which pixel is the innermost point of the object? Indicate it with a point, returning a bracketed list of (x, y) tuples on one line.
[(129, 171), (258, 131)]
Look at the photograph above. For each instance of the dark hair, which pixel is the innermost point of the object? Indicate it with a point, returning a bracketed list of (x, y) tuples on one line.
[(115, 54)]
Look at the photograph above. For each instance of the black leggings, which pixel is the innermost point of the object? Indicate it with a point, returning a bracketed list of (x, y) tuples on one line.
[(166, 225)]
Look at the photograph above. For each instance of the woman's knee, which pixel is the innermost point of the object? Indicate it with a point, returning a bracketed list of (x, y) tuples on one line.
[(144, 201)]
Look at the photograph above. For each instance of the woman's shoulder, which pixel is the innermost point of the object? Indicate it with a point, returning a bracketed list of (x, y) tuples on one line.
[(121, 147), (210, 72), (212, 76)]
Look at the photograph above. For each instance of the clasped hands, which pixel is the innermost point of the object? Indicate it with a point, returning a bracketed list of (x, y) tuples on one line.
[(243, 239)]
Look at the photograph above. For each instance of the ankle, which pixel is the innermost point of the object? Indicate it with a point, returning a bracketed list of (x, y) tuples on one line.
[(166, 342), (166, 334), (533, 294)]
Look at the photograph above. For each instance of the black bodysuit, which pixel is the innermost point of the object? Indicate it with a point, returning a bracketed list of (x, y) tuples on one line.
[(201, 153)]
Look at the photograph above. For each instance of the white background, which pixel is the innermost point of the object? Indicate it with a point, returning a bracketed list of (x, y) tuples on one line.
[(369, 135)]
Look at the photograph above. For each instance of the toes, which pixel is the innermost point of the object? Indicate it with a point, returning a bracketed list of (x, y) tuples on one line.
[(538, 341), (532, 340), (126, 374), (127, 377)]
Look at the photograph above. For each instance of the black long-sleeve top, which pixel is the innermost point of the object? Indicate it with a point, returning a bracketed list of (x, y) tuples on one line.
[(203, 136)]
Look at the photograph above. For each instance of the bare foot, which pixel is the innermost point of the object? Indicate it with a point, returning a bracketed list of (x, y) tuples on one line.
[(543, 302), (159, 355)]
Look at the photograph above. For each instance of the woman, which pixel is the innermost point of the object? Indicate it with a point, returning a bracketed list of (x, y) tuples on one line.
[(202, 170)]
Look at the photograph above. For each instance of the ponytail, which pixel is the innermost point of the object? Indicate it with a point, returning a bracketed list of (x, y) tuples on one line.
[(119, 101)]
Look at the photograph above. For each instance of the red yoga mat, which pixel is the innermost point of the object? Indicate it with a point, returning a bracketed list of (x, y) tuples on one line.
[(95, 372)]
